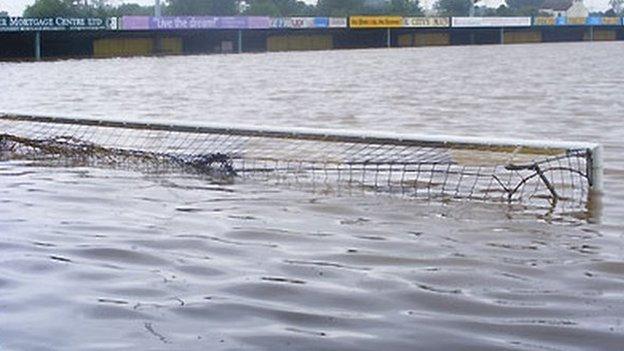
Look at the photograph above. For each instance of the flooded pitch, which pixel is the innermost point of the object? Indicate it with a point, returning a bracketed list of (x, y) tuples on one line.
[(96, 259)]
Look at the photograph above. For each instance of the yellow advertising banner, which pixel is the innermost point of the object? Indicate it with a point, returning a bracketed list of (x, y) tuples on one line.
[(544, 21), (611, 21), (579, 21), (424, 22), (376, 22)]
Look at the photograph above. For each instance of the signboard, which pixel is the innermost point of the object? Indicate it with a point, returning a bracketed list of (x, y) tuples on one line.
[(135, 22), (426, 22), (593, 21), (292, 22), (577, 21), (188, 22), (610, 21), (193, 22), (17, 24), (257, 22), (544, 21), (321, 22), (299, 22), (491, 22), (375, 22), (337, 22), (231, 22)]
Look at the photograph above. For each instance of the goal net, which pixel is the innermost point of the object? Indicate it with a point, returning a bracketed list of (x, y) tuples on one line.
[(528, 172)]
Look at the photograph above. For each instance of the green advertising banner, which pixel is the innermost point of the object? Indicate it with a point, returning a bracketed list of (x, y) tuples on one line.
[(20, 24)]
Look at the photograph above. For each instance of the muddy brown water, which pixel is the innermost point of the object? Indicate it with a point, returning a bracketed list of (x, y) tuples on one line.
[(102, 259)]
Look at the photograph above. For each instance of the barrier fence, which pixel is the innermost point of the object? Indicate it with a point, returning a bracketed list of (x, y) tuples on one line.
[(147, 23)]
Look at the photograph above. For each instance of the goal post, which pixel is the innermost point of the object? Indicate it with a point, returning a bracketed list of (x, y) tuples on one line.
[(419, 165)]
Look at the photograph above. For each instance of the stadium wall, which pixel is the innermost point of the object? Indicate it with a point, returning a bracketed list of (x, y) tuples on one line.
[(140, 36)]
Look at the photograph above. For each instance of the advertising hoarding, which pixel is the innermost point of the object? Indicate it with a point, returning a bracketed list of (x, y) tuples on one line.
[(257, 22), (543, 21), (186, 22), (375, 22), (292, 22), (338, 22), (135, 22), (193, 22), (610, 21), (471, 22), (577, 21), (300, 22), (426, 22), (24, 24)]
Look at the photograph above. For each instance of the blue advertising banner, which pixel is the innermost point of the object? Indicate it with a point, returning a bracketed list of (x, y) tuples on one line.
[(321, 22), (593, 21)]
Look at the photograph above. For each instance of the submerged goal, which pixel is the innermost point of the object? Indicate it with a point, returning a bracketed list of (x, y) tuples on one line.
[(529, 172)]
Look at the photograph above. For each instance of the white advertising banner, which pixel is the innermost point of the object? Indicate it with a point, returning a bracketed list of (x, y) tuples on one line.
[(491, 21), (293, 22), (337, 22), (425, 22)]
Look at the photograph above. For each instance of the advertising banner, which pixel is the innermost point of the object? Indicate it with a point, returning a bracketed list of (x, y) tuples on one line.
[(19, 24), (593, 21), (231, 22), (257, 22), (321, 22), (299, 22), (337, 22), (292, 22), (135, 22), (426, 22), (193, 22), (277, 22), (186, 22), (544, 21), (466, 22), (577, 21), (113, 23), (375, 22), (610, 21)]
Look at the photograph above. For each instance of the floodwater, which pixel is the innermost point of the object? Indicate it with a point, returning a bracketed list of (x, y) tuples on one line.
[(101, 259)]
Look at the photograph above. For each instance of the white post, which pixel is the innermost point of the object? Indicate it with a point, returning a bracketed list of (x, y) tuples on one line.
[(597, 171), (389, 38), (502, 35)]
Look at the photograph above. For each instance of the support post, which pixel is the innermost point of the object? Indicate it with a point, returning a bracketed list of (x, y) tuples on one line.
[(591, 33), (389, 38), (158, 44), (240, 41), (38, 46), (157, 9), (502, 35)]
